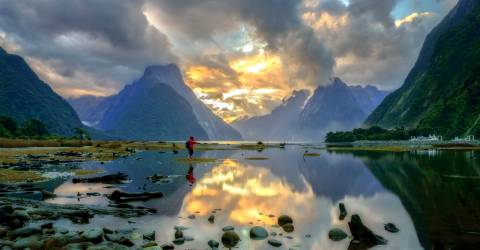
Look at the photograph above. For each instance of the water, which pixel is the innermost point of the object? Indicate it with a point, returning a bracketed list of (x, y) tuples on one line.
[(422, 192)]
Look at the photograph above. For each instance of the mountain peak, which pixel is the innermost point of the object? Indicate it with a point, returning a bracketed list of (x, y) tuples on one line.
[(162, 69)]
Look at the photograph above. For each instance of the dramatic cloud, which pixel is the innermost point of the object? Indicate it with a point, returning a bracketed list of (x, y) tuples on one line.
[(84, 46), (241, 57)]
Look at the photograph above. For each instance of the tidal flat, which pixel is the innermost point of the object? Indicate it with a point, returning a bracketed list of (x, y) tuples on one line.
[(148, 195)]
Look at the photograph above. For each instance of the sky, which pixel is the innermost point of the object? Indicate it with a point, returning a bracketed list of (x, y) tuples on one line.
[(241, 57)]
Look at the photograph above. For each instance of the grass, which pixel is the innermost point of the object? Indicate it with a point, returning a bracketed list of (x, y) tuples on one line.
[(196, 160), (12, 176), (79, 172), (311, 154), (256, 158), (21, 143)]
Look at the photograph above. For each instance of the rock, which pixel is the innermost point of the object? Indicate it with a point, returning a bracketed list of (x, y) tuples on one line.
[(24, 232), (119, 196), (178, 241), (167, 247), (308, 235), (274, 243), (181, 228), (191, 217), (107, 230), (152, 248), (211, 219), (178, 234), (122, 240), (363, 234), (390, 227), (150, 244), (288, 227), (31, 242), (47, 226), (94, 235), (118, 178), (213, 244), (230, 239), (78, 246), (3, 232), (149, 236), (273, 234), (188, 238), (284, 219), (108, 246), (258, 233), (337, 234), (228, 228), (57, 242), (343, 211), (47, 195), (61, 230)]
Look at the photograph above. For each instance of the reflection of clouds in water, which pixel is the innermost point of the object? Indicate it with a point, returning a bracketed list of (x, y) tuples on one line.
[(67, 193), (244, 190)]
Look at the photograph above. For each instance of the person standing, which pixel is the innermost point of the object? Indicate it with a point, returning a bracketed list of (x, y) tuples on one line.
[(189, 146)]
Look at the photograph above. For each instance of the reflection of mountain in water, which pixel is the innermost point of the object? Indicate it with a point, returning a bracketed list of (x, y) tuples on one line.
[(337, 177), (444, 209)]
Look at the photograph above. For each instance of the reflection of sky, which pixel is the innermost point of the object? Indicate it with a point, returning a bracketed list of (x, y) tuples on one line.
[(248, 191)]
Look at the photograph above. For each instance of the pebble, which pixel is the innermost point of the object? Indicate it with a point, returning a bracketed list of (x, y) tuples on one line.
[(274, 243)]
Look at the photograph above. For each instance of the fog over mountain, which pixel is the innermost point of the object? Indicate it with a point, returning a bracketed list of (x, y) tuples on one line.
[(333, 107)]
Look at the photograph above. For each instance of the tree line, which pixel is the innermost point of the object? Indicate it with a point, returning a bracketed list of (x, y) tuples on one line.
[(376, 133), (32, 129)]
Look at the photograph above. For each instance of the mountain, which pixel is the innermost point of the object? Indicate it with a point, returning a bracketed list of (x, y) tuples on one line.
[(24, 96), (337, 106), (149, 109), (91, 109), (284, 118), (215, 127), (442, 92)]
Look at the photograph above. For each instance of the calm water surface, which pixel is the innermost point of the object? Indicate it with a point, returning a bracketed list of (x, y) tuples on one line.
[(423, 193)]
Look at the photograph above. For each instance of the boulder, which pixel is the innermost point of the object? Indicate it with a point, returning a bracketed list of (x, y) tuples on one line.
[(149, 236), (337, 234), (211, 219), (274, 243), (94, 235), (32, 242), (284, 219), (343, 211), (24, 232), (167, 247), (288, 227), (363, 234), (390, 227), (178, 234), (230, 239), (213, 244), (258, 233)]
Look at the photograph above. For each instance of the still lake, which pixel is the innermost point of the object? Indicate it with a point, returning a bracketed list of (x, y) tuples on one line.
[(424, 193)]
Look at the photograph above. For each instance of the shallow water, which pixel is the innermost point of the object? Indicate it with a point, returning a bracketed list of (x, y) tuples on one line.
[(420, 192)]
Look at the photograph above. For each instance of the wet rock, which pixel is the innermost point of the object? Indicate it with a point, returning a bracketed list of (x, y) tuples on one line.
[(343, 211), (94, 235), (122, 240), (274, 243), (24, 232), (284, 219), (363, 234), (191, 217), (181, 228), (3, 232), (150, 244), (258, 233), (167, 247), (78, 246), (273, 234), (390, 227), (47, 195), (117, 178), (48, 225), (149, 236), (178, 241), (152, 248), (211, 219), (61, 230), (228, 228), (213, 244), (108, 246), (178, 234), (107, 230), (337, 234), (288, 227), (31, 242), (230, 239), (57, 242), (119, 196), (308, 235)]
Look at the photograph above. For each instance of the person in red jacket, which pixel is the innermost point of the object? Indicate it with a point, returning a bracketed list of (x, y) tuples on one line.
[(189, 146)]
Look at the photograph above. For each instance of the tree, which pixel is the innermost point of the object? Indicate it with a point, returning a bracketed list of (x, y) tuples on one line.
[(81, 134), (8, 124), (33, 128)]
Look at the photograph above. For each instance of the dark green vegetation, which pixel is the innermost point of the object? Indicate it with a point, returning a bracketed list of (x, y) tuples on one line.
[(442, 92), (375, 133), (33, 129), (23, 96)]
